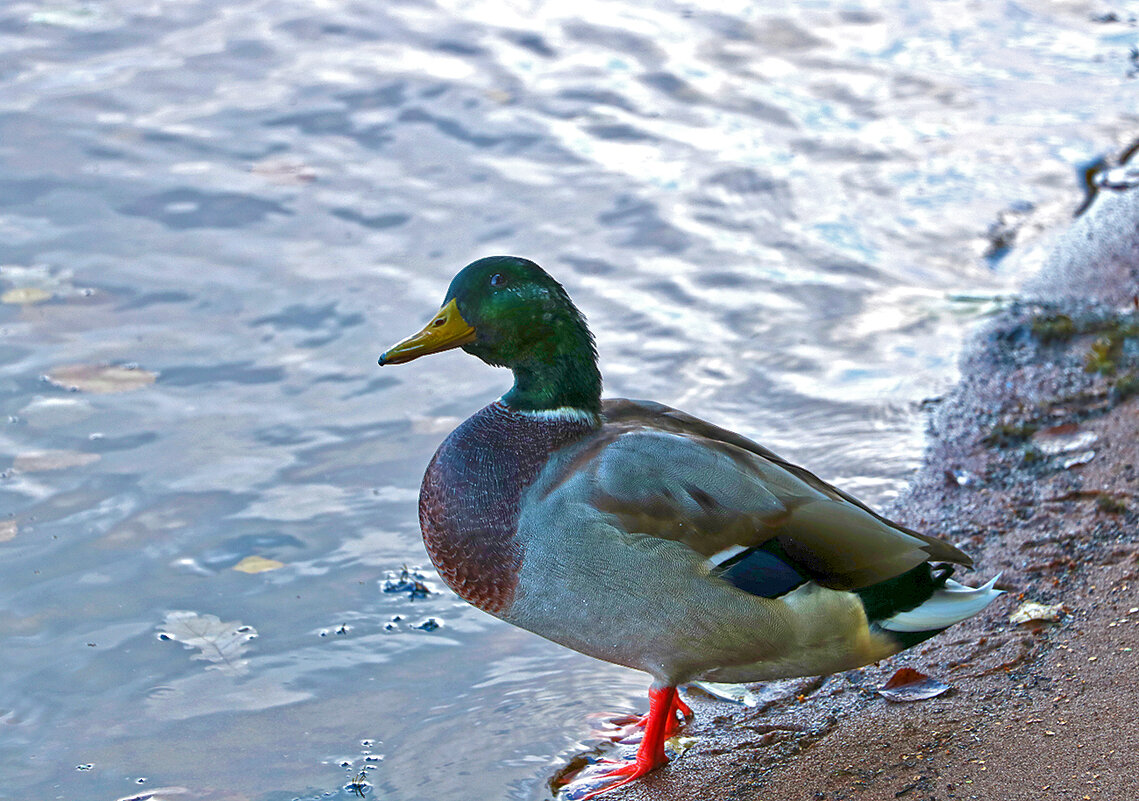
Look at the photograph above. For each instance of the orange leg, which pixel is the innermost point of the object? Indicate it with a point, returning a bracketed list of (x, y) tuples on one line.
[(684, 709), (672, 724), (663, 705)]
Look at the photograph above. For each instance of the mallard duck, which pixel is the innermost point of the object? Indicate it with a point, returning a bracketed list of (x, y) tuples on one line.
[(638, 534)]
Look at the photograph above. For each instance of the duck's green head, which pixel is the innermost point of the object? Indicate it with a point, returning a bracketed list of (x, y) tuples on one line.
[(509, 312)]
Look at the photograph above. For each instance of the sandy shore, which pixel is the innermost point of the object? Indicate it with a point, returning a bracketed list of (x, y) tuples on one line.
[(1033, 467)]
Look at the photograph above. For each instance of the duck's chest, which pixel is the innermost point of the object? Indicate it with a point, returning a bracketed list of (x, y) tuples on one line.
[(471, 495)]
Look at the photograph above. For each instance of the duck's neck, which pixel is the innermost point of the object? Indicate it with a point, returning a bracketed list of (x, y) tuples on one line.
[(565, 377)]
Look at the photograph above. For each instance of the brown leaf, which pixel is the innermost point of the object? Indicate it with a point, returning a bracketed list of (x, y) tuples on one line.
[(911, 685), (1032, 612)]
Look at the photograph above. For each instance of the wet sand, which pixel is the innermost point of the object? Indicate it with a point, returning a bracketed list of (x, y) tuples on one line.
[(1033, 468)]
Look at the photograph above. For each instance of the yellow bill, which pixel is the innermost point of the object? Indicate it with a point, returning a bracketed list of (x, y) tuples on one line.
[(447, 330)]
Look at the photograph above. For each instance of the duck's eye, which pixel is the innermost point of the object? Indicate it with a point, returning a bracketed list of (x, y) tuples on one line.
[(498, 279)]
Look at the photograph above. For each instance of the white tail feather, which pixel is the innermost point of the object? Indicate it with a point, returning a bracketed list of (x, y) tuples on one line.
[(949, 604)]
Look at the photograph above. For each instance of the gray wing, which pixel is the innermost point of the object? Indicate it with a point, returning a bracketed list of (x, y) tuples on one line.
[(665, 474)]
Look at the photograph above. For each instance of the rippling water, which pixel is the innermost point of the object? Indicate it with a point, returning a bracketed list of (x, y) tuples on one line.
[(775, 219)]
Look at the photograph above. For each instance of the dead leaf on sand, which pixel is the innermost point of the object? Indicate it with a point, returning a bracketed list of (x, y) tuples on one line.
[(911, 685), (220, 642), (101, 379), (1032, 612)]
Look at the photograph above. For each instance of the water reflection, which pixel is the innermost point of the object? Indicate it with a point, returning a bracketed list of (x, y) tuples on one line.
[(766, 215)]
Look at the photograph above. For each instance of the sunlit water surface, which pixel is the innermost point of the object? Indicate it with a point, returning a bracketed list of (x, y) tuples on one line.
[(775, 219)]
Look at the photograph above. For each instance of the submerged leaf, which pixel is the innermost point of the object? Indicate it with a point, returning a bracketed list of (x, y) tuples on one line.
[(220, 642), (911, 685), (8, 529), (53, 411), (100, 378), (25, 296), (287, 173), (157, 794), (40, 461), (257, 564)]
